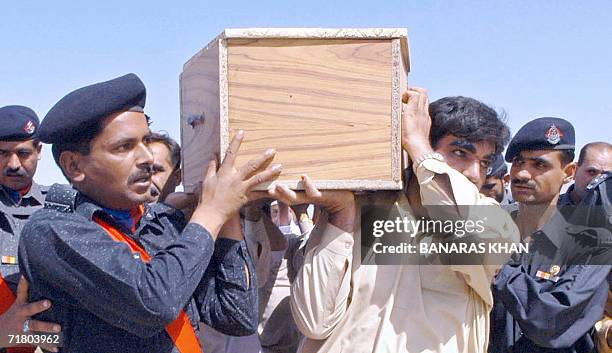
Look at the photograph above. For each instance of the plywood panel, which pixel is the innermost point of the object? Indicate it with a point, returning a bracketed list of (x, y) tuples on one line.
[(199, 98), (325, 105)]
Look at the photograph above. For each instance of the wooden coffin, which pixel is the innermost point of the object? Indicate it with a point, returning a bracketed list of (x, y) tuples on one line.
[(328, 100)]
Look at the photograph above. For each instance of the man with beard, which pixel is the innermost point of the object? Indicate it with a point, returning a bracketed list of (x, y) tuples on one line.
[(20, 197), (495, 184), (125, 276), (547, 300), (342, 304)]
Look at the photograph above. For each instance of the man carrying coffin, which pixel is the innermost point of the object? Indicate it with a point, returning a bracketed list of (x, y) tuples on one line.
[(344, 305), (124, 276)]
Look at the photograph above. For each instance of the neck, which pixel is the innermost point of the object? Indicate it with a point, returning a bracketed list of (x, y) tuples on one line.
[(101, 203), (532, 217)]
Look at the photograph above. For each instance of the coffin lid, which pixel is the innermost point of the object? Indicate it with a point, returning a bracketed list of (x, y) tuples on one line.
[(320, 33)]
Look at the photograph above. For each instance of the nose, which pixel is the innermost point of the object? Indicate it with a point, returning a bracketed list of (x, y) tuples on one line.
[(14, 163), (144, 159), (472, 172), (521, 174)]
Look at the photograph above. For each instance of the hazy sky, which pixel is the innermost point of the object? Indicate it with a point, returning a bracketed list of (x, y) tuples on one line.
[(529, 58)]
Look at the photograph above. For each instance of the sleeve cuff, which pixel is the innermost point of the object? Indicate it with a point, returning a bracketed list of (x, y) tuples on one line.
[(431, 165)]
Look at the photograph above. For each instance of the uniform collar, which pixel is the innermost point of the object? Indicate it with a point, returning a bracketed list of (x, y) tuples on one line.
[(151, 213), (89, 208), (566, 199), (35, 192)]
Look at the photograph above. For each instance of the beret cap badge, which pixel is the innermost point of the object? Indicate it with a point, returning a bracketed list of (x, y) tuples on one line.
[(29, 127), (553, 135)]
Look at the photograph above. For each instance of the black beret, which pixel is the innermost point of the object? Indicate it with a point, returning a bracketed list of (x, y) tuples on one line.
[(498, 167), (18, 123), (81, 109), (542, 134)]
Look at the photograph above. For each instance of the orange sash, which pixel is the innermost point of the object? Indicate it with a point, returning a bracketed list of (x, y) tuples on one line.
[(180, 330), (6, 296)]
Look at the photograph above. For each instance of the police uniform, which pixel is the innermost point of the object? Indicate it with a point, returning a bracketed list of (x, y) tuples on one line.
[(565, 200), (17, 123), (549, 299), (120, 286)]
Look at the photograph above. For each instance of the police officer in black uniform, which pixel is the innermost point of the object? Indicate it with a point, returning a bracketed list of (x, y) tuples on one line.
[(20, 196), (124, 276), (549, 299), (495, 183)]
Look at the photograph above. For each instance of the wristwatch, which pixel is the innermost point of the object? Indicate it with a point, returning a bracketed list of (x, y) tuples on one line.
[(430, 155)]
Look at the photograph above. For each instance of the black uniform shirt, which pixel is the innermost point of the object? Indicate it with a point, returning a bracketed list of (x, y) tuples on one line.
[(535, 314), (108, 300), (13, 216)]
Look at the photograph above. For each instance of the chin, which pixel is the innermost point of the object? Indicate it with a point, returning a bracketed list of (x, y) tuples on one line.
[(136, 198), (16, 185)]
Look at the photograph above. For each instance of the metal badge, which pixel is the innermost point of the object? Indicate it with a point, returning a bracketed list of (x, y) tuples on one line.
[(553, 135), (554, 270)]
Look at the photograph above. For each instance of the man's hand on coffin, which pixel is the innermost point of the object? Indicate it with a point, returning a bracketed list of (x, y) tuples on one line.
[(227, 189), (416, 122), (340, 204)]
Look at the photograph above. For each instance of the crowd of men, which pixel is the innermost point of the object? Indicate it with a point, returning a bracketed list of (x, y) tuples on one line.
[(117, 261)]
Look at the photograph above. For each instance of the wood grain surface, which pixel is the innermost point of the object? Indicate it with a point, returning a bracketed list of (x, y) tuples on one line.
[(324, 105), (199, 90)]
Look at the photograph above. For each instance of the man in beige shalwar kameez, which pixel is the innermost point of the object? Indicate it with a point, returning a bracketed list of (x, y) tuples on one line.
[(342, 305)]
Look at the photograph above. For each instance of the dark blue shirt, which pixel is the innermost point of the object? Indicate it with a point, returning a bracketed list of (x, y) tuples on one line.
[(108, 300), (534, 314)]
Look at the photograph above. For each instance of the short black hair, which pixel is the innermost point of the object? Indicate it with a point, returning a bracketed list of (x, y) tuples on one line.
[(470, 119), (567, 157), (80, 142), (171, 144), (585, 149)]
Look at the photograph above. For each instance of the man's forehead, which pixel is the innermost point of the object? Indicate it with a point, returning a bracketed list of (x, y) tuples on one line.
[(599, 156), (14, 145), (547, 155), (126, 124)]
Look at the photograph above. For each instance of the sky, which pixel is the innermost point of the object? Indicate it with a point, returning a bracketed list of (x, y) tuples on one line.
[(527, 58)]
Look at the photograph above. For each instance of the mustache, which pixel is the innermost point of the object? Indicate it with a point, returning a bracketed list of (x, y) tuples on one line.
[(141, 174), (15, 172), (523, 183)]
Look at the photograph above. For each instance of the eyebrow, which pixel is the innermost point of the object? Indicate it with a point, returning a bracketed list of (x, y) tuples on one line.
[(158, 167), (465, 144), (121, 141), (540, 160), (594, 169), (488, 186), (24, 149)]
